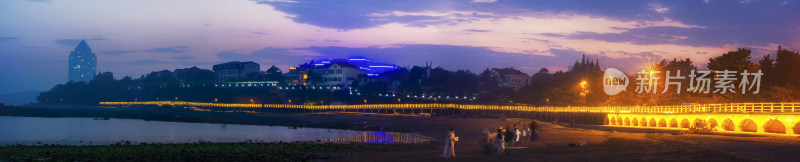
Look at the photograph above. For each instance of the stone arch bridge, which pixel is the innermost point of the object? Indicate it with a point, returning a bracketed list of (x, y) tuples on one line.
[(727, 122)]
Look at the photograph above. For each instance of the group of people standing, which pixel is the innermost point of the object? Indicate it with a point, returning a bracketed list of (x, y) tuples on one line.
[(507, 137)]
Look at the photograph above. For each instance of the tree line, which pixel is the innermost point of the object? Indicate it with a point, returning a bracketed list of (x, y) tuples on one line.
[(580, 85)]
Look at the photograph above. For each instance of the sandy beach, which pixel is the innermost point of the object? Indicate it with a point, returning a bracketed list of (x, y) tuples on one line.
[(602, 143)]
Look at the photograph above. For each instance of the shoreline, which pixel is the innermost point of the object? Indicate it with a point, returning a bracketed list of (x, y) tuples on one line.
[(603, 142), (438, 126), (170, 114), (401, 123)]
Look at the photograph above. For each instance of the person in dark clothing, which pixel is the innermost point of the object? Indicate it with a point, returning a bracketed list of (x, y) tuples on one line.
[(500, 148), (509, 139), (509, 134), (534, 132)]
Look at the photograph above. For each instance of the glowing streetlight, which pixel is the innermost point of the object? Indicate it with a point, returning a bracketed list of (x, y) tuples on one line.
[(584, 91), (583, 84), (548, 101)]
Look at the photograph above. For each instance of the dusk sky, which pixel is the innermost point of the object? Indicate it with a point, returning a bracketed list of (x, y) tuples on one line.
[(136, 37)]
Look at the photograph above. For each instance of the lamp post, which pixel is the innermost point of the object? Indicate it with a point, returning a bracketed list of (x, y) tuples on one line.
[(583, 84), (548, 102), (584, 91)]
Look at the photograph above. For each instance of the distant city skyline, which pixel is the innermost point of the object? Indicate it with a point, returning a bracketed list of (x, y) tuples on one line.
[(132, 38)]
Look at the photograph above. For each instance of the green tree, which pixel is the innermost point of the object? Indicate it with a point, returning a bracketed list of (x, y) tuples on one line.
[(735, 60), (738, 61), (275, 74)]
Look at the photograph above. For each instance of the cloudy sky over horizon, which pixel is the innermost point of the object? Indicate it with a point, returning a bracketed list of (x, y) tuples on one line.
[(136, 37)]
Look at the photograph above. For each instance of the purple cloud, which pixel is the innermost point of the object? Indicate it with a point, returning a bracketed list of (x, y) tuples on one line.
[(177, 49)]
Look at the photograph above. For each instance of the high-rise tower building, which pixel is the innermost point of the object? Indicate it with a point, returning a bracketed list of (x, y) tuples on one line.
[(82, 63)]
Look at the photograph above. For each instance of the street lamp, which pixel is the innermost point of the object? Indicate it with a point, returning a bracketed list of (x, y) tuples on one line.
[(583, 84), (548, 101), (584, 91)]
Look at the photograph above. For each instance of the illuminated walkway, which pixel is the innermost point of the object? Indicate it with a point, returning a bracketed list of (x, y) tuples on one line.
[(760, 118)]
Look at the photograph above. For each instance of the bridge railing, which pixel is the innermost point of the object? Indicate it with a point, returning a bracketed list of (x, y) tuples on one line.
[(781, 107)]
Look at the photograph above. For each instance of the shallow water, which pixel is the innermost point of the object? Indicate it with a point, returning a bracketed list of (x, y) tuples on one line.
[(87, 131)]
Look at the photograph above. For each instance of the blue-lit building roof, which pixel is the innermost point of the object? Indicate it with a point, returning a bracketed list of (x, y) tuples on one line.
[(371, 69)]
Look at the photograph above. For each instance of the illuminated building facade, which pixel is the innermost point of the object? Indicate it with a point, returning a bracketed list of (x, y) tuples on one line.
[(510, 77), (232, 71), (295, 77), (82, 63), (339, 72)]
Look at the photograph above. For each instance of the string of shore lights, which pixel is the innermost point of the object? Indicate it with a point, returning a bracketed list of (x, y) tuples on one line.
[(782, 107), (350, 89)]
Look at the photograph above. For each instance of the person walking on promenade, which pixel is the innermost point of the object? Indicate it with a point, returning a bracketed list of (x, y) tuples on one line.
[(486, 133), (500, 141), (528, 134), (517, 133), (487, 145), (449, 144), (534, 131), (509, 137)]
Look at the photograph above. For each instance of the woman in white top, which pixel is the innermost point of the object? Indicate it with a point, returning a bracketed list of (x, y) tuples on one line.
[(449, 144)]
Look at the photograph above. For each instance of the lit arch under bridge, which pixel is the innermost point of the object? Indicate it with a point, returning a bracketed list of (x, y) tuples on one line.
[(756, 118)]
